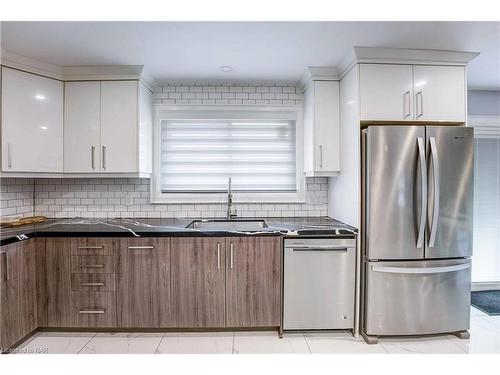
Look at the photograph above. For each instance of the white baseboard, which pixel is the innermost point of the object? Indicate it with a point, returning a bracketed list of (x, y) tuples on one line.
[(478, 286)]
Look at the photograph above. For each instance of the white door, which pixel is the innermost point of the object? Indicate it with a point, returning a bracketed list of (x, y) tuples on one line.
[(119, 126), (326, 126), (439, 93), (82, 127), (386, 92), (32, 122)]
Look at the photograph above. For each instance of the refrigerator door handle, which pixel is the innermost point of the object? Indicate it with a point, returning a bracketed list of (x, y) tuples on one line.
[(435, 208), (423, 204), (423, 270)]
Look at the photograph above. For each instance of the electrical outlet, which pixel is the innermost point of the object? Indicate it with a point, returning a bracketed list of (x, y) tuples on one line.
[(129, 200)]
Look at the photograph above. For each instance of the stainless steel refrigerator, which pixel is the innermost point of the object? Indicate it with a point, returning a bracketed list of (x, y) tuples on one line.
[(417, 199)]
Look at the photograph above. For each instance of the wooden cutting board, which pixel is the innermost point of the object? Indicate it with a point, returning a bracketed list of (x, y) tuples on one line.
[(23, 221)]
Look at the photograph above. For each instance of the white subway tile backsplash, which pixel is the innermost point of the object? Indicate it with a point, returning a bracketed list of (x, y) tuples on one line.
[(108, 200), (227, 94)]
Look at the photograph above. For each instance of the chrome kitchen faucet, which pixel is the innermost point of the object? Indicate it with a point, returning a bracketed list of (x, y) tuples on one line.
[(231, 210)]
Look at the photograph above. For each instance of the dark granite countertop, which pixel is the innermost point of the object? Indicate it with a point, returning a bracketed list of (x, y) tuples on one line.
[(82, 227)]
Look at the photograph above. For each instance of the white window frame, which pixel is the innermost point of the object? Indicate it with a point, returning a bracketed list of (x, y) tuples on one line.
[(162, 112)]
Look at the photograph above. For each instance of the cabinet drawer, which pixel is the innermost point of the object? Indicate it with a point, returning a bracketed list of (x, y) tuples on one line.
[(92, 246), (92, 264), (93, 309), (93, 282)]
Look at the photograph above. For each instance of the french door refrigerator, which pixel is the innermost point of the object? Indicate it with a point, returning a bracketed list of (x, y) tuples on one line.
[(417, 219)]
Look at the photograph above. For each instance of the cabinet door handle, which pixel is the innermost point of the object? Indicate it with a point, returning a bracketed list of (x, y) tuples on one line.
[(321, 156), (420, 108), (141, 247), (218, 256), (92, 284), (103, 157), (92, 311), (92, 265), (92, 157), (407, 104), (6, 266), (9, 154), (231, 247), (91, 247)]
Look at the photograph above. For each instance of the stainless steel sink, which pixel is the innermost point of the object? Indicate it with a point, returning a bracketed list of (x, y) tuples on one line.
[(236, 225)]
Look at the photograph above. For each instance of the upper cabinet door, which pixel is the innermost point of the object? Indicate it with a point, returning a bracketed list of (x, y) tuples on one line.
[(32, 122), (439, 93), (386, 92), (119, 130), (326, 126), (82, 127)]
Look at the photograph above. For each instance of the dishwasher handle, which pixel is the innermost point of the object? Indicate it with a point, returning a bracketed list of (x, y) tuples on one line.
[(321, 248)]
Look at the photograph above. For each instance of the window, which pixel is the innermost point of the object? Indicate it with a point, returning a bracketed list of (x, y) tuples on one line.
[(486, 252), (198, 151)]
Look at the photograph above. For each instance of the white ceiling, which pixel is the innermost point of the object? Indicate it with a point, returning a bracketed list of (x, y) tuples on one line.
[(277, 51)]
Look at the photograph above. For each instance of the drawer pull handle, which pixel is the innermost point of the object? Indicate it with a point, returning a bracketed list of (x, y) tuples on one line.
[(320, 248), (141, 247), (91, 311), (92, 265), (91, 247), (92, 284)]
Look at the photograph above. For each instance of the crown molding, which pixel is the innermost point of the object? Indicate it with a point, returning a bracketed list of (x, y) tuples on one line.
[(101, 72), (318, 73), (78, 72), (13, 60), (377, 55)]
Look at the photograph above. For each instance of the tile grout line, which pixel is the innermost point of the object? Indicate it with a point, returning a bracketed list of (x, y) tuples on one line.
[(456, 344), (161, 340), (83, 347), (307, 343), (232, 351)]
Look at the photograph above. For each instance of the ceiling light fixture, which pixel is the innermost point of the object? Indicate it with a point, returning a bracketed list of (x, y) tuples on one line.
[(226, 68)]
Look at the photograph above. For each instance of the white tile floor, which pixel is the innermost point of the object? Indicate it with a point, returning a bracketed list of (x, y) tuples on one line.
[(485, 338)]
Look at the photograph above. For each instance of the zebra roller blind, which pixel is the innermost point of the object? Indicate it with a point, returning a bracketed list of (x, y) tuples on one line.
[(200, 155)]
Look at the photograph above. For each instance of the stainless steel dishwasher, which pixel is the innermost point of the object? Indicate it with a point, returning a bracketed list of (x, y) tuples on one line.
[(319, 283)]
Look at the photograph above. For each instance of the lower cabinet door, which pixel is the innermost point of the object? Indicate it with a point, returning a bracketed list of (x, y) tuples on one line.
[(18, 315), (54, 282), (253, 281), (198, 282), (144, 283), (93, 309)]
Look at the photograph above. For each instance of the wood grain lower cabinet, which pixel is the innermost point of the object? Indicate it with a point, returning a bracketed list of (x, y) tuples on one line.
[(18, 303), (93, 309), (198, 282), (54, 282), (143, 273), (253, 287)]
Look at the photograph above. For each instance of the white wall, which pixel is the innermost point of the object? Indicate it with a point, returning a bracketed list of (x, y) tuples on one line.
[(483, 103)]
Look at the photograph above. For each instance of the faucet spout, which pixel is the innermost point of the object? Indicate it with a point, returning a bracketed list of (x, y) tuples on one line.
[(231, 210)]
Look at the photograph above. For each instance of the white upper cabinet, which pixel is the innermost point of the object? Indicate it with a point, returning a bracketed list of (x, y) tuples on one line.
[(32, 122), (108, 127), (399, 92), (439, 93), (321, 129), (119, 126), (386, 92), (82, 127)]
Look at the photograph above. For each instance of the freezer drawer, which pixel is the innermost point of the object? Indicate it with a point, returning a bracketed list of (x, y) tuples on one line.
[(319, 284), (417, 297)]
